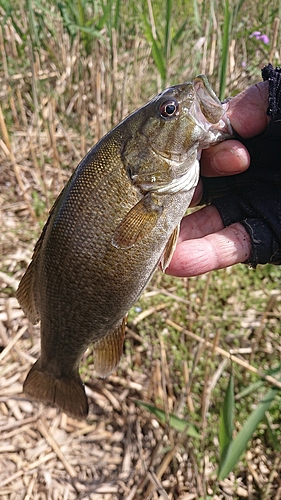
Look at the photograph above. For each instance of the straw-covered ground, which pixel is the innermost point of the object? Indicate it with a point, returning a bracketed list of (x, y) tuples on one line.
[(122, 451), (184, 337)]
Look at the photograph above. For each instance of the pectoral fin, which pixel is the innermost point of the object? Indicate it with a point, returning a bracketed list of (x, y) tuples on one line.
[(108, 350), (169, 249), (140, 220)]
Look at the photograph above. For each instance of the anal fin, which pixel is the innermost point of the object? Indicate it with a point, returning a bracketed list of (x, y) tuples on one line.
[(169, 249), (108, 350)]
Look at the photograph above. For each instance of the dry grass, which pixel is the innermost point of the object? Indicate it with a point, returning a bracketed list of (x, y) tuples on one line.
[(121, 452)]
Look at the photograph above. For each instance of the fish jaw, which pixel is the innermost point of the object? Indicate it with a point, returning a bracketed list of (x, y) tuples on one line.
[(209, 114)]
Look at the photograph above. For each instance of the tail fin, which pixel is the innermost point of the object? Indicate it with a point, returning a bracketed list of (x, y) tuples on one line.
[(66, 393)]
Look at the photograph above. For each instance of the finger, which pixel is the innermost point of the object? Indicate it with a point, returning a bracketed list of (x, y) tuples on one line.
[(247, 111), (226, 158), (198, 224), (229, 246)]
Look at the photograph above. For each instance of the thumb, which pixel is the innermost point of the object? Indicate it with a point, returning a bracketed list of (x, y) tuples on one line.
[(247, 111)]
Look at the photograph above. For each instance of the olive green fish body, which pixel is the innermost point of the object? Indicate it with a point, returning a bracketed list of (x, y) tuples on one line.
[(113, 223)]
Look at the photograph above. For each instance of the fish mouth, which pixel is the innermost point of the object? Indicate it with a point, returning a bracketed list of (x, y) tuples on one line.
[(221, 126)]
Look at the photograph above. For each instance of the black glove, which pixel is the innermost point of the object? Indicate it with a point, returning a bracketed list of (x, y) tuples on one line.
[(253, 198)]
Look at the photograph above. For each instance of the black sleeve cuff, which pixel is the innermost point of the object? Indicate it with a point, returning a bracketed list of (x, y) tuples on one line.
[(265, 246), (253, 198)]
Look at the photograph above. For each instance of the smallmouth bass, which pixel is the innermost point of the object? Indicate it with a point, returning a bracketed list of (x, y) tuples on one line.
[(114, 222)]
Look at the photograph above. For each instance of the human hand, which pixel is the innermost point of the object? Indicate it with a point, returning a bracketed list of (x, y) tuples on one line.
[(204, 243)]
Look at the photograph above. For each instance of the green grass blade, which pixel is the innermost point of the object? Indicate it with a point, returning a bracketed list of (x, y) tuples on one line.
[(239, 444), (90, 31), (256, 385), (272, 437), (225, 48), (168, 29), (196, 14), (156, 50), (32, 25), (226, 420), (159, 60), (81, 13), (179, 33), (175, 422), (117, 16)]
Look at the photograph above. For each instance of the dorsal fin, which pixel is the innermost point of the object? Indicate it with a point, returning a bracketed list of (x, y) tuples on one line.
[(26, 290), (25, 294)]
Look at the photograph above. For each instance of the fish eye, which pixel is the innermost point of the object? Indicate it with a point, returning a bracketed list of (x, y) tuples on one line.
[(169, 109)]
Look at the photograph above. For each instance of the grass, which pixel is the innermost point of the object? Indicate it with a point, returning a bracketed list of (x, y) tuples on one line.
[(69, 72)]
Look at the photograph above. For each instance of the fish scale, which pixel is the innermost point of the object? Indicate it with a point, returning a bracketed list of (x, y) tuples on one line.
[(115, 221)]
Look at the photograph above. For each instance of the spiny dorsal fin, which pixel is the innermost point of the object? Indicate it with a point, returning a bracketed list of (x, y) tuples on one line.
[(108, 350), (140, 220)]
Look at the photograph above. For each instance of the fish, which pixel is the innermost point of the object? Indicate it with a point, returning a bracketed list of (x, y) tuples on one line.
[(115, 221)]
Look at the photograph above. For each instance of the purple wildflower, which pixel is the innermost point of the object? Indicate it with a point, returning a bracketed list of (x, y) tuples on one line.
[(256, 34), (259, 36), (264, 39)]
